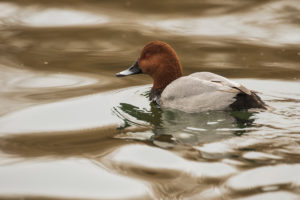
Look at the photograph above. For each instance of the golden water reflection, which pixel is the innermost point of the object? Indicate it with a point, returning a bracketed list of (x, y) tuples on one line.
[(70, 130)]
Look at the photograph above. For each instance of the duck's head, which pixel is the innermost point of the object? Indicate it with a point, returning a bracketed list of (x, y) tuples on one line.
[(159, 60)]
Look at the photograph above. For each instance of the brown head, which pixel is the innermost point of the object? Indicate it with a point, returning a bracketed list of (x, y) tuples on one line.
[(159, 60)]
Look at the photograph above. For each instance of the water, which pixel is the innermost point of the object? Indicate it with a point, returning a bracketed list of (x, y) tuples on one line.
[(69, 129)]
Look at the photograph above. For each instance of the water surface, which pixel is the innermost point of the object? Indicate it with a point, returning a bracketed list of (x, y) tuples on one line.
[(69, 129)]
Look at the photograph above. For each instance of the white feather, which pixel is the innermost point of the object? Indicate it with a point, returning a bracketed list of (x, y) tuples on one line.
[(201, 91)]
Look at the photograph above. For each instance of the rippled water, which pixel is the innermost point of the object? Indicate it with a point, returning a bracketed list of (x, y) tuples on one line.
[(69, 129)]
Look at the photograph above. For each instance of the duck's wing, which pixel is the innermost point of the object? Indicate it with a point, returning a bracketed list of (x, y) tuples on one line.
[(192, 94), (194, 85), (230, 86), (207, 91)]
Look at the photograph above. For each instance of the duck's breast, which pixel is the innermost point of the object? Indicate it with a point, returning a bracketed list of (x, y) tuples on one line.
[(199, 92)]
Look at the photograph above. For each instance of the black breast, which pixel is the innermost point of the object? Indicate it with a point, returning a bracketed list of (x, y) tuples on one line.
[(155, 95)]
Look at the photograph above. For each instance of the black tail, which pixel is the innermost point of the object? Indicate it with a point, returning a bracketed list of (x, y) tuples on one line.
[(245, 101)]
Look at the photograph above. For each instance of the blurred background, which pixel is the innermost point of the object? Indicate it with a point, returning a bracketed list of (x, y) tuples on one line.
[(68, 130)]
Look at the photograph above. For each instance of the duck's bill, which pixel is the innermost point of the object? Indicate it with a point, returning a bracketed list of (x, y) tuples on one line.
[(134, 69)]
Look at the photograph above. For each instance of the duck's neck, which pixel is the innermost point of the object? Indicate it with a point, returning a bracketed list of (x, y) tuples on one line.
[(162, 80)]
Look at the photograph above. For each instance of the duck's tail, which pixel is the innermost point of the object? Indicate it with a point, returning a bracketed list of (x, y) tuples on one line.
[(245, 101)]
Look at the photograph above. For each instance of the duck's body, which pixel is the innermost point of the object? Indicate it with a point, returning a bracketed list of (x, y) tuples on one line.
[(201, 91)]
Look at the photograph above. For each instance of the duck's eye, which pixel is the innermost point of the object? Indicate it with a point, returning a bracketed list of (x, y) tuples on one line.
[(147, 55)]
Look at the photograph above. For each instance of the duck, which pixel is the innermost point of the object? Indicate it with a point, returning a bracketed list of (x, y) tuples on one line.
[(197, 92)]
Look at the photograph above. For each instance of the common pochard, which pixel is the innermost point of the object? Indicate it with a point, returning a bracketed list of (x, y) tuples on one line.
[(197, 92)]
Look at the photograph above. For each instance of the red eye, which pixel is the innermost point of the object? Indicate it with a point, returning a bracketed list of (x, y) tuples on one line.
[(147, 55)]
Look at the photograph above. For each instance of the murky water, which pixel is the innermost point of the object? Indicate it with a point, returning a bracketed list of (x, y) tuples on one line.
[(69, 129)]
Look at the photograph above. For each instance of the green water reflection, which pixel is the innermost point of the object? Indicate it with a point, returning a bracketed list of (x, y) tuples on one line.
[(201, 127)]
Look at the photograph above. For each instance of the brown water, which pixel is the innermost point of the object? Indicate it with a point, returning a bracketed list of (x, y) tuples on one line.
[(69, 129)]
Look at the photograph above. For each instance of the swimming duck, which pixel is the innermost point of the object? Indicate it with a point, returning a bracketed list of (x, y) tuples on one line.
[(197, 92)]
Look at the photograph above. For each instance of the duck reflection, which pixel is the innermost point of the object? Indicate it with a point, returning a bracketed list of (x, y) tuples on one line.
[(152, 116), (173, 126)]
